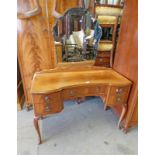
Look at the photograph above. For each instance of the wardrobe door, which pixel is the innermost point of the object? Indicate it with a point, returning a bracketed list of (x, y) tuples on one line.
[(34, 42), (126, 58)]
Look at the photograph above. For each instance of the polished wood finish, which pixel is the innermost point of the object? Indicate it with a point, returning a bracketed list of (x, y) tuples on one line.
[(126, 59), (41, 81), (36, 11), (34, 43), (51, 87), (47, 103)]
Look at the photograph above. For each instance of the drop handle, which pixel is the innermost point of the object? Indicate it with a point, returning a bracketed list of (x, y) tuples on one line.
[(47, 104), (72, 93), (119, 90), (98, 89), (118, 99)]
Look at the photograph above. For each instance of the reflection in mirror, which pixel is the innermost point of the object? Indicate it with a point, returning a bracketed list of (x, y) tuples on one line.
[(79, 34), (111, 2), (80, 37), (108, 13)]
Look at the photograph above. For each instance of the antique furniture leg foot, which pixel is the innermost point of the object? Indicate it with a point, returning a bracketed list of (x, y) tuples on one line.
[(41, 117), (122, 115), (125, 130), (28, 108), (120, 127), (106, 108), (36, 125)]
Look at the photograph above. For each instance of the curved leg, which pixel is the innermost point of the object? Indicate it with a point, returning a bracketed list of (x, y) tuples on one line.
[(29, 107), (125, 130), (106, 107), (122, 115), (36, 125)]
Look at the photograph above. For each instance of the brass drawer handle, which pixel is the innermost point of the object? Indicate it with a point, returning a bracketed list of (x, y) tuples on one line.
[(119, 90), (47, 104), (100, 60), (98, 89), (72, 93), (118, 99)]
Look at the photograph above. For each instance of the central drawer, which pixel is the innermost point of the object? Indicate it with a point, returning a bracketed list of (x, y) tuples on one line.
[(72, 93), (81, 91)]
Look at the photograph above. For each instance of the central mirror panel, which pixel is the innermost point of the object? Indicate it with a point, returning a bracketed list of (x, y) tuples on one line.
[(76, 36)]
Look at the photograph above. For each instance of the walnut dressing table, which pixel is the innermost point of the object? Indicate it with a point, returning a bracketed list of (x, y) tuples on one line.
[(51, 87)]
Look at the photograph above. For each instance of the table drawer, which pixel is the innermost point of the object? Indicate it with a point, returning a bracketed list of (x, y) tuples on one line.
[(120, 90), (47, 103), (115, 99), (118, 95), (96, 90), (81, 91), (72, 93)]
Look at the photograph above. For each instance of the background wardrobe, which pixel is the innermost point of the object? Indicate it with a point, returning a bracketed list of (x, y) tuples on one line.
[(126, 59)]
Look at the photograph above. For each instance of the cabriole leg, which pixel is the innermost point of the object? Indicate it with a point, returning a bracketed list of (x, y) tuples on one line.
[(36, 125), (106, 107), (122, 115)]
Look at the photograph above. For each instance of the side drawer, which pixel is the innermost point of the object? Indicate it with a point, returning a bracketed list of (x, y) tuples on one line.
[(119, 90), (117, 95), (47, 103)]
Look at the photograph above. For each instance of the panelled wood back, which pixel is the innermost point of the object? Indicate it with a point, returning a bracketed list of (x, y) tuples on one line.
[(126, 58), (34, 42)]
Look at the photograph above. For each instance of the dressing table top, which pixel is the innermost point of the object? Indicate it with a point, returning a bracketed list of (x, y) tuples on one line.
[(56, 79)]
